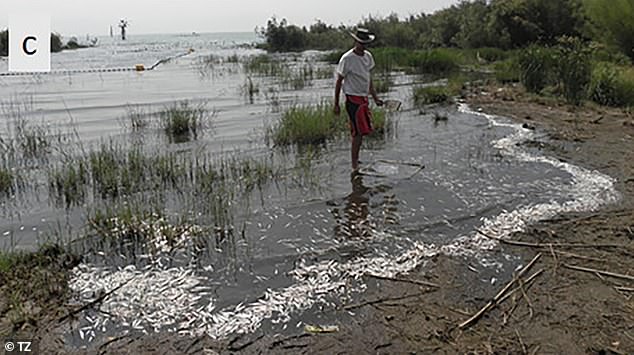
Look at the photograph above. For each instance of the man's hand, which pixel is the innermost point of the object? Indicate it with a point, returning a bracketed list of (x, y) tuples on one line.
[(337, 109)]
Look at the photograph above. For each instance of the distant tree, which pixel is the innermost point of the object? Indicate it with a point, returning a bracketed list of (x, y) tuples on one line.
[(521, 22), (614, 20)]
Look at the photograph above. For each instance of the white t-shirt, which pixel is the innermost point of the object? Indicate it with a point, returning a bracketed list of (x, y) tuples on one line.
[(355, 70)]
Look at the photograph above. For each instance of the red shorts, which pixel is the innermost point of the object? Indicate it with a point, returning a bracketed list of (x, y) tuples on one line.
[(360, 115)]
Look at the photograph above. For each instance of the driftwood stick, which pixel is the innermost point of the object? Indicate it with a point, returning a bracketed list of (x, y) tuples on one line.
[(380, 300), (600, 272), (399, 279), (547, 245), (524, 350), (527, 283), (499, 295)]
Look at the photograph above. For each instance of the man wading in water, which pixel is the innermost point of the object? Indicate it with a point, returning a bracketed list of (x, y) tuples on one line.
[(353, 75)]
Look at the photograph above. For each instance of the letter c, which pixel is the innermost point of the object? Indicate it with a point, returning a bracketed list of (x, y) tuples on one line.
[(24, 45)]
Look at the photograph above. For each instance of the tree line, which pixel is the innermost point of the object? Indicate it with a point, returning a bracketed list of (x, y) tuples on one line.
[(504, 24)]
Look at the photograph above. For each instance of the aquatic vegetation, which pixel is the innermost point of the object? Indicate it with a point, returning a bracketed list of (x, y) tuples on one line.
[(149, 230), (136, 118), (427, 95), (68, 183), (307, 125), (31, 140), (183, 120), (316, 124), (272, 96), (250, 89), (263, 64), (382, 83), (234, 58), (7, 182)]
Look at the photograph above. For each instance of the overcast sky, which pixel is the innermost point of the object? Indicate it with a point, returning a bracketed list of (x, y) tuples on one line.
[(94, 17)]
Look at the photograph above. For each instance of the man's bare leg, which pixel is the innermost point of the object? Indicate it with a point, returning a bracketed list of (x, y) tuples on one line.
[(356, 146)]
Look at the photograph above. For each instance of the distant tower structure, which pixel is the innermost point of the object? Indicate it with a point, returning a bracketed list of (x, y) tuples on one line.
[(123, 24)]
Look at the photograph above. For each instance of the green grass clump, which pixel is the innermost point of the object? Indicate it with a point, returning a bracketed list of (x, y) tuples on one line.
[(612, 85), (317, 124), (536, 66), (183, 121), (146, 230), (136, 118), (307, 125), (428, 95)]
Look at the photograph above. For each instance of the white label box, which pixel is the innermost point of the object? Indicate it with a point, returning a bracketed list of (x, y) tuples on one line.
[(29, 43)]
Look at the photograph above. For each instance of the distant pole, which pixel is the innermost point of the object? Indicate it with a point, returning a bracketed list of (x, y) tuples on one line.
[(123, 24), (111, 32)]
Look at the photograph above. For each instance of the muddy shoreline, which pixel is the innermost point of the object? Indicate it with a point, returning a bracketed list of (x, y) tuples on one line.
[(563, 311)]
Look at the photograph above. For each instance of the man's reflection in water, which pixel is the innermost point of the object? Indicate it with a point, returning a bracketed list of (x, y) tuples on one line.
[(354, 222)]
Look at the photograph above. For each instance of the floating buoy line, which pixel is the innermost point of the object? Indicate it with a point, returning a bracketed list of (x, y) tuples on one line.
[(136, 68)]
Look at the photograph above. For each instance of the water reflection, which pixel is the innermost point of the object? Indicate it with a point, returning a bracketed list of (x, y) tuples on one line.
[(354, 222)]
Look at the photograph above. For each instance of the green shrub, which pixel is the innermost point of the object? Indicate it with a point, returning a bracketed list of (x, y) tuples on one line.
[(612, 85), (615, 21), (574, 68), (536, 66)]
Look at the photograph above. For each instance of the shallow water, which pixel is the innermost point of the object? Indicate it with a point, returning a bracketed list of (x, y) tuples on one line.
[(301, 243)]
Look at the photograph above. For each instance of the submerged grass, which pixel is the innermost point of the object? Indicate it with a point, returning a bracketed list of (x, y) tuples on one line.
[(137, 228), (184, 120), (136, 118), (316, 124), (31, 141), (306, 125), (68, 183)]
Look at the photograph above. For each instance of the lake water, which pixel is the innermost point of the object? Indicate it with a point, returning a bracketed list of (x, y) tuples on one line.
[(299, 243)]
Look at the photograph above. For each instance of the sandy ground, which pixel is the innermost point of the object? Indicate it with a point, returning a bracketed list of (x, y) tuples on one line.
[(562, 311)]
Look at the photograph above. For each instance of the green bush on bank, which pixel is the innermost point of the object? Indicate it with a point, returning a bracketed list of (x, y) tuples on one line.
[(612, 85), (536, 66), (574, 68)]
